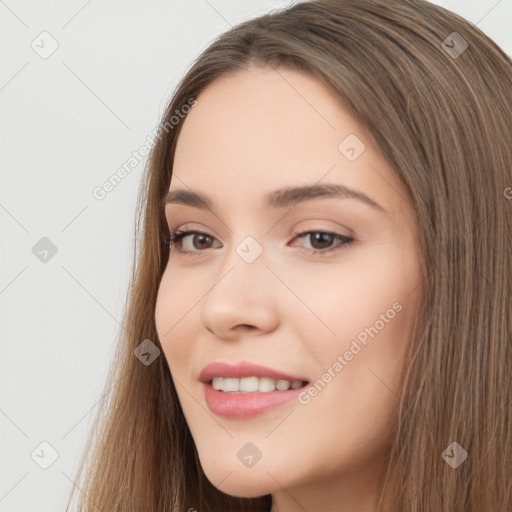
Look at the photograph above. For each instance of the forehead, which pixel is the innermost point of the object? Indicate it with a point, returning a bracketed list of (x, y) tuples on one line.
[(261, 129), (262, 114)]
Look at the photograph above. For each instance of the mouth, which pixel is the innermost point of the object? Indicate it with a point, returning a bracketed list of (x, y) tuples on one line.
[(254, 384), (244, 390)]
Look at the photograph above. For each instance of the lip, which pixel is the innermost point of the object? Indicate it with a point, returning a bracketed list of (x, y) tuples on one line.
[(243, 369), (235, 405)]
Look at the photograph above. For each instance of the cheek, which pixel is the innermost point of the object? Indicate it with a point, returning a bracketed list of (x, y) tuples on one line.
[(177, 297), (353, 400), (369, 290), (370, 312), (176, 305)]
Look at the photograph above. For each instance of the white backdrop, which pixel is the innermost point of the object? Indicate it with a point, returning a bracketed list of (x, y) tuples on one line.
[(82, 85)]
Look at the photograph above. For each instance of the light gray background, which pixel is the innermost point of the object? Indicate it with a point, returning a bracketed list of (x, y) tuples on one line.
[(67, 123)]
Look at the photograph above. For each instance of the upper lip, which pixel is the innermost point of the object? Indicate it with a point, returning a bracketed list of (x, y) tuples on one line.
[(243, 369)]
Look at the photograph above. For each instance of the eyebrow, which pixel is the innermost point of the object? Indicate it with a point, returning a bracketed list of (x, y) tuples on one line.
[(277, 199)]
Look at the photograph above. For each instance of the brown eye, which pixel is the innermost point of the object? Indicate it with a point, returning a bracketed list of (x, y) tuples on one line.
[(323, 242), (200, 241), (203, 241)]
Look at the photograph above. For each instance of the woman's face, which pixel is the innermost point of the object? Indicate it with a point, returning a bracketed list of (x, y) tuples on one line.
[(332, 313)]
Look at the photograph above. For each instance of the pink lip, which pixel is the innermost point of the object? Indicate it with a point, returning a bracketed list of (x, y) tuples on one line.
[(243, 369), (234, 405)]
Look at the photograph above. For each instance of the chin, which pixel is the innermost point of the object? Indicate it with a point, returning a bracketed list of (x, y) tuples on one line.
[(239, 482)]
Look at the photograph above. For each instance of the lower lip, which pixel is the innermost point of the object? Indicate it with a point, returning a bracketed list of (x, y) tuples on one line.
[(235, 405)]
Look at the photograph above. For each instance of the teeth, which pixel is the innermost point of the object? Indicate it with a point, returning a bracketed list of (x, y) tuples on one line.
[(283, 385), (231, 385), (266, 384), (248, 384), (253, 384), (217, 383)]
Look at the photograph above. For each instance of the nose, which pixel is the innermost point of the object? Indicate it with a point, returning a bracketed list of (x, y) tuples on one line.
[(241, 300)]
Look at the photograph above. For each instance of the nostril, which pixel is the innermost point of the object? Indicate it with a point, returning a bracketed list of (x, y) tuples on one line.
[(245, 327)]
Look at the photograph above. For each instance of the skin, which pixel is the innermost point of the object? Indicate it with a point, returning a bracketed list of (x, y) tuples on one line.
[(292, 309)]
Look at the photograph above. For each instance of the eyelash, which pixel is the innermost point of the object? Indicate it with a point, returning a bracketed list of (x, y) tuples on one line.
[(173, 238)]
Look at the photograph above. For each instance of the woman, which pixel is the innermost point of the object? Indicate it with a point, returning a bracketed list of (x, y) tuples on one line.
[(320, 310)]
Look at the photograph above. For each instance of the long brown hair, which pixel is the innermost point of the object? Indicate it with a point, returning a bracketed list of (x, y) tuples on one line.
[(436, 95)]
